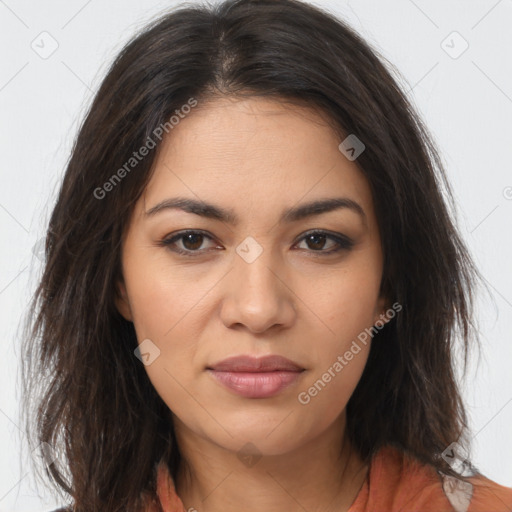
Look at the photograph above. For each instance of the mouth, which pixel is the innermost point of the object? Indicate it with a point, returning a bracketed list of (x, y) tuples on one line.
[(253, 377)]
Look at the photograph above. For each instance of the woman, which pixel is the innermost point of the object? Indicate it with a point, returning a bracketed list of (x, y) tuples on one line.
[(252, 282)]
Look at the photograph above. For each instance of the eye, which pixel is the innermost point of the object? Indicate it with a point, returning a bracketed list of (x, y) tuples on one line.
[(191, 242), (316, 241)]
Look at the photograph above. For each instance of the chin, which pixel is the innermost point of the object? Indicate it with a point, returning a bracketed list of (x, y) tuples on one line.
[(270, 434)]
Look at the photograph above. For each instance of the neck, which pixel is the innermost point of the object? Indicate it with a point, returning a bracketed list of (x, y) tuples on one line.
[(324, 475)]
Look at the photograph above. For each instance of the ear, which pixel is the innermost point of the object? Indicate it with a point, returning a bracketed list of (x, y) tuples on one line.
[(121, 301)]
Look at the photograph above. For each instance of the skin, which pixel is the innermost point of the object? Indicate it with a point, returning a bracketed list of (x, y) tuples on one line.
[(256, 157)]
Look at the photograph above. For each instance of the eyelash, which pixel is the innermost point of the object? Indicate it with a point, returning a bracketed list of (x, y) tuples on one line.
[(344, 242)]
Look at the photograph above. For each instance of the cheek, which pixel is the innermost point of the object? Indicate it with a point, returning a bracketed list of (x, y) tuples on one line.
[(348, 303), (162, 296), (167, 310), (172, 320), (340, 363)]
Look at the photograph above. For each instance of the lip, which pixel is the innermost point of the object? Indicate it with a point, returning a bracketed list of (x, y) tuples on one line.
[(269, 363), (253, 377)]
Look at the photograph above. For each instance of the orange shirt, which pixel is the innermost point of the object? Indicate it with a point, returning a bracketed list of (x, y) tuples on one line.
[(396, 482)]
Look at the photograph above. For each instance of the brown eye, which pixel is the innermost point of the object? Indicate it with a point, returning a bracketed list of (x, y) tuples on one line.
[(188, 243), (316, 242), (192, 241)]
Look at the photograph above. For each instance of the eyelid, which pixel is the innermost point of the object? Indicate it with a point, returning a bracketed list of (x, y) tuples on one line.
[(342, 239), (343, 242), (167, 241)]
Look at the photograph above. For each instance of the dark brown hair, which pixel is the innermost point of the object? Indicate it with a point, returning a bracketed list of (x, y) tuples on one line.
[(94, 403)]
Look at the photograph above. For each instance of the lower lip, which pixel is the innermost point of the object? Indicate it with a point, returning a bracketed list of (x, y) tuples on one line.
[(256, 385)]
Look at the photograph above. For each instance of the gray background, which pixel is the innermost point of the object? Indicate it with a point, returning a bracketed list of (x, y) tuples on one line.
[(465, 99)]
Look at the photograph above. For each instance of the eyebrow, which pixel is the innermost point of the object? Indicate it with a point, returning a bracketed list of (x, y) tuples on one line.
[(293, 214)]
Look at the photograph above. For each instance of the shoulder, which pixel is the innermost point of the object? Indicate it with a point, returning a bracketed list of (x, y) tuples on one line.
[(489, 496), (398, 481)]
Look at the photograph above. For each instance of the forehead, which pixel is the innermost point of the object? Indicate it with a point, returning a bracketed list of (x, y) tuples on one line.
[(257, 152)]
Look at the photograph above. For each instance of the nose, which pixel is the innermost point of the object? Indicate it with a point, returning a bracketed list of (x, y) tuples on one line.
[(258, 295)]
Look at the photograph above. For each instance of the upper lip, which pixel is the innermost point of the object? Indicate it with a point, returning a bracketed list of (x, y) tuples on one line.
[(270, 363)]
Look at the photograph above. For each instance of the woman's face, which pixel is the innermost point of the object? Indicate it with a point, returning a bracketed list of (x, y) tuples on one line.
[(256, 282)]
